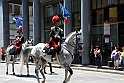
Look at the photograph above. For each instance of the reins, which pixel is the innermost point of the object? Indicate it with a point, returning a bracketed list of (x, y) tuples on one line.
[(71, 45)]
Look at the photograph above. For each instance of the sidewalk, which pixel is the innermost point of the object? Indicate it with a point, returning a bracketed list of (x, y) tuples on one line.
[(104, 69)]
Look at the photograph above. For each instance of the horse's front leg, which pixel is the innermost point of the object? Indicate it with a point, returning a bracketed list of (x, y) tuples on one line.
[(71, 72), (36, 71), (13, 65), (66, 74), (41, 71), (67, 68), (7, 64), (27, 66)]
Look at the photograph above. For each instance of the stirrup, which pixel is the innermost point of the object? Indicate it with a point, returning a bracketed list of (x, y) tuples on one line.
[(53, 59)]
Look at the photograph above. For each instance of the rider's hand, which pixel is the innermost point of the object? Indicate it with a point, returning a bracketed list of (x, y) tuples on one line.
[(55, 36), (58, 37)]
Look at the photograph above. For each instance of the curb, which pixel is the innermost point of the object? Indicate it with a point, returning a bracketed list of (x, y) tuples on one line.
[(92, 69), (101, 70)]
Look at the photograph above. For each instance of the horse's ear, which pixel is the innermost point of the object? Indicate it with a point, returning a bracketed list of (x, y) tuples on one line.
[(32, 40)]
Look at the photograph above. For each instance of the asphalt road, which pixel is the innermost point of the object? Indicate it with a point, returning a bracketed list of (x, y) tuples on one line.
[(79, 76)]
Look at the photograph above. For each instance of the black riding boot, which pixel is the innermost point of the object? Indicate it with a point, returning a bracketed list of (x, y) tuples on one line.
[(53, 55)]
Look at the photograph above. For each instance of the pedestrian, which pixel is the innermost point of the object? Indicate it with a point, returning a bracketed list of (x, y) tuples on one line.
[(2, 53), (115, 56), (51, 71), (80, 50), (92, 56), (122, 57), (98, 56)]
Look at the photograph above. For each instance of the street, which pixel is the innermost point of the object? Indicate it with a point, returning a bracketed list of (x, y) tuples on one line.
[(79, 76)]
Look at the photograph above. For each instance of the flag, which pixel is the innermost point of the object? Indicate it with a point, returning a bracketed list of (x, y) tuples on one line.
[(18, 21), (66, 14)]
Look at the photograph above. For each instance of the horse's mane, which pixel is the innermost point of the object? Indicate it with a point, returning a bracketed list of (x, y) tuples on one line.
[(69, 36)]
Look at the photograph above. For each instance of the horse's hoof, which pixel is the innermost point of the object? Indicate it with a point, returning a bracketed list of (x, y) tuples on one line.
[(7, 73), (20, 75), (64, 82), (13, 73), (43, 81), (28, 75)]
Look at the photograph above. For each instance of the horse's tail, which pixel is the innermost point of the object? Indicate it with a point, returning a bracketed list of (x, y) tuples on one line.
[(21, 63)]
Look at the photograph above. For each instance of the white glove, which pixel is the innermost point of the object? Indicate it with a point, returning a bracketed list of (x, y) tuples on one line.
[(58, 37), (55, 36)]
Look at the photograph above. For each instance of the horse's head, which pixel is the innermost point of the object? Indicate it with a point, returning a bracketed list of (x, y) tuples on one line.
[(27, 43), (73, 37)]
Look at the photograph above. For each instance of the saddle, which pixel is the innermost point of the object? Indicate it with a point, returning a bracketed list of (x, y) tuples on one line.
[(49, 51), (15, 50), (12, 51)]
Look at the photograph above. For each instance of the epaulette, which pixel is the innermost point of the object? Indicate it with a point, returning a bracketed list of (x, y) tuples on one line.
[(53, 28)]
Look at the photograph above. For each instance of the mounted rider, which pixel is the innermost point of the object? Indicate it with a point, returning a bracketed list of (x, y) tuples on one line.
[(55, 37), (19, 40)]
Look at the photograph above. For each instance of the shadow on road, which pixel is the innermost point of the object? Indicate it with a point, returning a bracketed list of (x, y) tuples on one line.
[(30, 76)]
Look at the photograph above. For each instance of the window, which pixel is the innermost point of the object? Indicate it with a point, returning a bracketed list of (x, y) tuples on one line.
[(121, 1), (93, 4), (16, 9), (99, 5), (10, 8), (97, 35), (51, 10), (30, 11), (48, 11), (111, 2), (77, 21), (113, 14), (94, 17), (103, 3), (100, 16), (120, 13), (76, 6), (114, 34)]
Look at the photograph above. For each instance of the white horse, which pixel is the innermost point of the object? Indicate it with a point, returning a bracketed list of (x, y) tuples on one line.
[(19, 56), (64, 58), (25, 58)]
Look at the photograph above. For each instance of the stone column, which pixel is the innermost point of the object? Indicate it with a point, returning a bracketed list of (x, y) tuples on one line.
[(68, 26), (85, 26), (42, 24), (37, 22), (4, 24), (25, 15)]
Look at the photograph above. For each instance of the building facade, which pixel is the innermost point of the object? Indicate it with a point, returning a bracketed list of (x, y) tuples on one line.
[(111, 11), (88, 15)]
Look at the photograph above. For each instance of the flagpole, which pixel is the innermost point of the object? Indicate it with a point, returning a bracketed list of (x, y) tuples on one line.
[(64, 23)]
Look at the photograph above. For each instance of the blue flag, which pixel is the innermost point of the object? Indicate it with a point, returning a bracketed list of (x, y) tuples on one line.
[(18, 21), (64, 11)]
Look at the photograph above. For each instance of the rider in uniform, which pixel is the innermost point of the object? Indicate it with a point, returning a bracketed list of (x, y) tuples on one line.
[(19, 40), (55, 36)]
